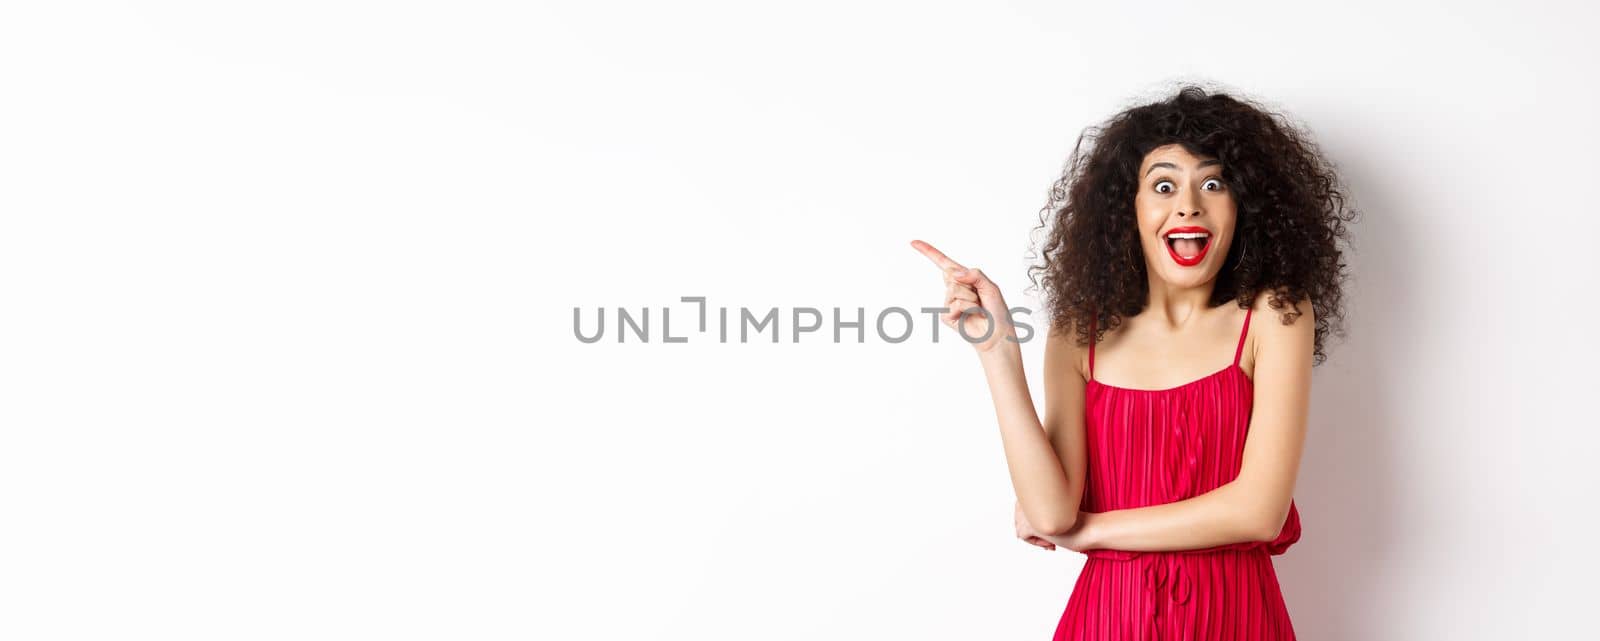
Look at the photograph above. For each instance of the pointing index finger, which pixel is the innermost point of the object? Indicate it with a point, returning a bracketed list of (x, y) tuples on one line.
[(936, 256)]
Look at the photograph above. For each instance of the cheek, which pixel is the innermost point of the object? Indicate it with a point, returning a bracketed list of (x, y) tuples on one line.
[(1149, 221), (1227, 211)]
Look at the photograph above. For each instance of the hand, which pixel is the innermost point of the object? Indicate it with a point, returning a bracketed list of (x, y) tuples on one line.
[(977, 309), (1026, 532)]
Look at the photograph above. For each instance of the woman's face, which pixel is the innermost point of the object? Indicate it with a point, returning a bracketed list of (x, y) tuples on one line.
[(1184, 195)]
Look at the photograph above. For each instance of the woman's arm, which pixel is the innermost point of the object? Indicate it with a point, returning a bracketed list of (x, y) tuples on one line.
[(1046, 461), (1255, 504), (1044, 488), (977, 309)]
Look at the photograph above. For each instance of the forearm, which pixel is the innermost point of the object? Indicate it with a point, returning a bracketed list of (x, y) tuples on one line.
[(1222, 516), (1037, 473)]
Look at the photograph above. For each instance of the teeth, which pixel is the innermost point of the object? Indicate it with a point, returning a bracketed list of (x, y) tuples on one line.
[(1189, 234)]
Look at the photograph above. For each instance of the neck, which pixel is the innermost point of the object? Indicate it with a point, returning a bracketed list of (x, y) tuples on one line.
[(1178, 305)]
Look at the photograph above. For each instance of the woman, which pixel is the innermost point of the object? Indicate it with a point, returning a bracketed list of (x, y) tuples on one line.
[(1182, 221)]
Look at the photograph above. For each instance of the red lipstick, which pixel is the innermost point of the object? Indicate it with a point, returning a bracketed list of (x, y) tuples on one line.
[(1199, 256)]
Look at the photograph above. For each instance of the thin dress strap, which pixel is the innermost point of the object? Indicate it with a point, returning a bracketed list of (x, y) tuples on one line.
[(1239, 351), (1091, 349)]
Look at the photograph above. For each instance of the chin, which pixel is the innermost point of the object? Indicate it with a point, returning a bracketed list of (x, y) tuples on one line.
[(1177, 275), (1189, 278)]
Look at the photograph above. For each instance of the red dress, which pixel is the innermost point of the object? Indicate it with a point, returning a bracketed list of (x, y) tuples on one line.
[(1149, 447)]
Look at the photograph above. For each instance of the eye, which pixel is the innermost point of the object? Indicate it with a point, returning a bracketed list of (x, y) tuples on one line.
[(1161, 182), (1218, 182)]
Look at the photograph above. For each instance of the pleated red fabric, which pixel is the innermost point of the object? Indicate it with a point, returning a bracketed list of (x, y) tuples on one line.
[(1149, 447)]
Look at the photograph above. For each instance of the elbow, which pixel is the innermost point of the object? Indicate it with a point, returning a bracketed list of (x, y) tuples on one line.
[(1059, 516), (1258, 516), (1263, 534), (1059, 526), (1070, 514), (1266, 529)]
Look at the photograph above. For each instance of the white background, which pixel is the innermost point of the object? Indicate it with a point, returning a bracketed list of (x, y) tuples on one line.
[(286, 344)]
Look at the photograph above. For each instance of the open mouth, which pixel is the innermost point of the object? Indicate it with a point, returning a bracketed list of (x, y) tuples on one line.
[(1188, 245)]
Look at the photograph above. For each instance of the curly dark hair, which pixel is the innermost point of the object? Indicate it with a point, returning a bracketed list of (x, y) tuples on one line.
[(1292, 215)]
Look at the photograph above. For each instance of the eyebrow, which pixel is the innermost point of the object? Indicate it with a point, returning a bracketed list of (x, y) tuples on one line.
[(1203, 164)]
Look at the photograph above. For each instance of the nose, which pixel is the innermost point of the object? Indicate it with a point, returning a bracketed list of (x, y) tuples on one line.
[(1189, 205)]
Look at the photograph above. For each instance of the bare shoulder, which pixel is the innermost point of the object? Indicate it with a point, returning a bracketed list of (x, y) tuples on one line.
[(1289, 327), (1064, 358)]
